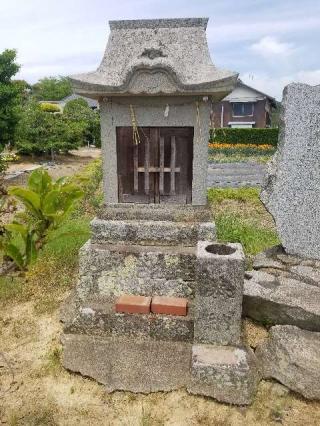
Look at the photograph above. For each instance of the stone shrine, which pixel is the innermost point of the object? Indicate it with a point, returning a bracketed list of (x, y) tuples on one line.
[(155, 235)]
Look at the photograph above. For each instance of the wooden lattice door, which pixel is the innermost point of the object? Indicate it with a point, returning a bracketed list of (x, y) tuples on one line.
[(159, 168)]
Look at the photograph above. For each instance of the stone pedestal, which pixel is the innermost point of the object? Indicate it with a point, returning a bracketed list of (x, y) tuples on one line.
[(218, 296), (173, 255)]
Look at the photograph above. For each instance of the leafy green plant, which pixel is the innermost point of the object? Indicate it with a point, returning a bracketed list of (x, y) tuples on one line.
[(19, 244), (46, 205)]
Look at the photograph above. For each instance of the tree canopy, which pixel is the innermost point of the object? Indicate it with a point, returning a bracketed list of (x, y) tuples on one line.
[(10, 96), (78, 111), (46, 132), (51, 88)]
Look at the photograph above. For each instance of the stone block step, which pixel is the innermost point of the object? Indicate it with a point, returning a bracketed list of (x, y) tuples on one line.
[(99, 318), (159, 233), (157, 212)]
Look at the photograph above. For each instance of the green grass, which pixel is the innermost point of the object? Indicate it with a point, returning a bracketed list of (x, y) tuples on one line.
[(240, 217), (217, 195), (10, 288), (232, 228)]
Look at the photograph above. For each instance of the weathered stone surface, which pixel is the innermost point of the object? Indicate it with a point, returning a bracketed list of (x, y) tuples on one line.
[(129, 364), (218, 293), (307, 273), (292, 189), (156, 56), (99, 318), (111, 270), (149, 232), (162, 212), (226, 373), (292, 356), (281, 300)]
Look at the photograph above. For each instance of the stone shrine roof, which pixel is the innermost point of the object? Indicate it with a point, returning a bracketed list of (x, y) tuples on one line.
[(156, 57)]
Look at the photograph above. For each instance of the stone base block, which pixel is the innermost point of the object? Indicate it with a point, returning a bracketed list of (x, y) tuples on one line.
[(110, 270), (129, 364), (228, 374), (98, 318), (158, 233)]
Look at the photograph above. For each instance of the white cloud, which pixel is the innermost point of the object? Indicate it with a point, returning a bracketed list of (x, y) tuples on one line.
[(253, 27), (274, 86), (270, 47)]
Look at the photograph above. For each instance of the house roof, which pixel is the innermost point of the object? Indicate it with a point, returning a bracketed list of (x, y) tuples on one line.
[(156, 56), (262, 94), (91, 102)]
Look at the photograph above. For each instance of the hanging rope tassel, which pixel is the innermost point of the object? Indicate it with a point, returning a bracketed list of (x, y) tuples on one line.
[(135, 132)]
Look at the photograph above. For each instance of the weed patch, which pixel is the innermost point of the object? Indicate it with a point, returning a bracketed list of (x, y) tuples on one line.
[(217, 195), (11, 288), (234, 229)]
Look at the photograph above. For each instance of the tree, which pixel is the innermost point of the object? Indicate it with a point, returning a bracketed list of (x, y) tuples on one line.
[(41, 132), (52, 89), (78, 111), (10, 97)]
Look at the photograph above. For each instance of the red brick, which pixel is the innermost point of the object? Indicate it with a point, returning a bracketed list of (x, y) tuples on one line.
[(130, 304), (169, 305)]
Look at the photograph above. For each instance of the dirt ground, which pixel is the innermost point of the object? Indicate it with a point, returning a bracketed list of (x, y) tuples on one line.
[(36, 390), (64, 165)]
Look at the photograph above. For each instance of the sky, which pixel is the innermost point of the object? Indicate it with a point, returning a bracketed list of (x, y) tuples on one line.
[(270, 43)]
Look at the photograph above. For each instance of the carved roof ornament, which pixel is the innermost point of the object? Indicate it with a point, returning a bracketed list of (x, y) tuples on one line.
[(156, 56)]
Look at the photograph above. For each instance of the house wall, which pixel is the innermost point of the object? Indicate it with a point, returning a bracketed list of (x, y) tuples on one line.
[(259, 114), (150, 112)]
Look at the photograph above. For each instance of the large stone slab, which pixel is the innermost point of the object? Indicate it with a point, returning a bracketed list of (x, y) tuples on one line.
[(281, 300), (292, 356), (292, 189), (228, 374), (129, 364)]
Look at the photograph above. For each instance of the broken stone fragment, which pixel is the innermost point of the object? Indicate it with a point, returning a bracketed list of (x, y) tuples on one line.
[(228, 374), (281, 300), (292, 356)]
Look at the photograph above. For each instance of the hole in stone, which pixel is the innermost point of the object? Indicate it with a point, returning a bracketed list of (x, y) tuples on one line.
[(220, 249)]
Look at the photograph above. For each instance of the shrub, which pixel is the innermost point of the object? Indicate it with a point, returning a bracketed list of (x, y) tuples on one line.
[(46, 205), (48, 107), (39, 132), (228, 135), (78, 111)]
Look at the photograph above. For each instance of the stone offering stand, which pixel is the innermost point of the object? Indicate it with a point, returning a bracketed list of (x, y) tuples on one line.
[(155, 238)]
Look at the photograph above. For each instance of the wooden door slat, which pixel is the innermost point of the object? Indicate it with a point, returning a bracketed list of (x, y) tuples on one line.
[(146, 166), (135, 168), (158, 169), (161, 169), (173, 166)]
